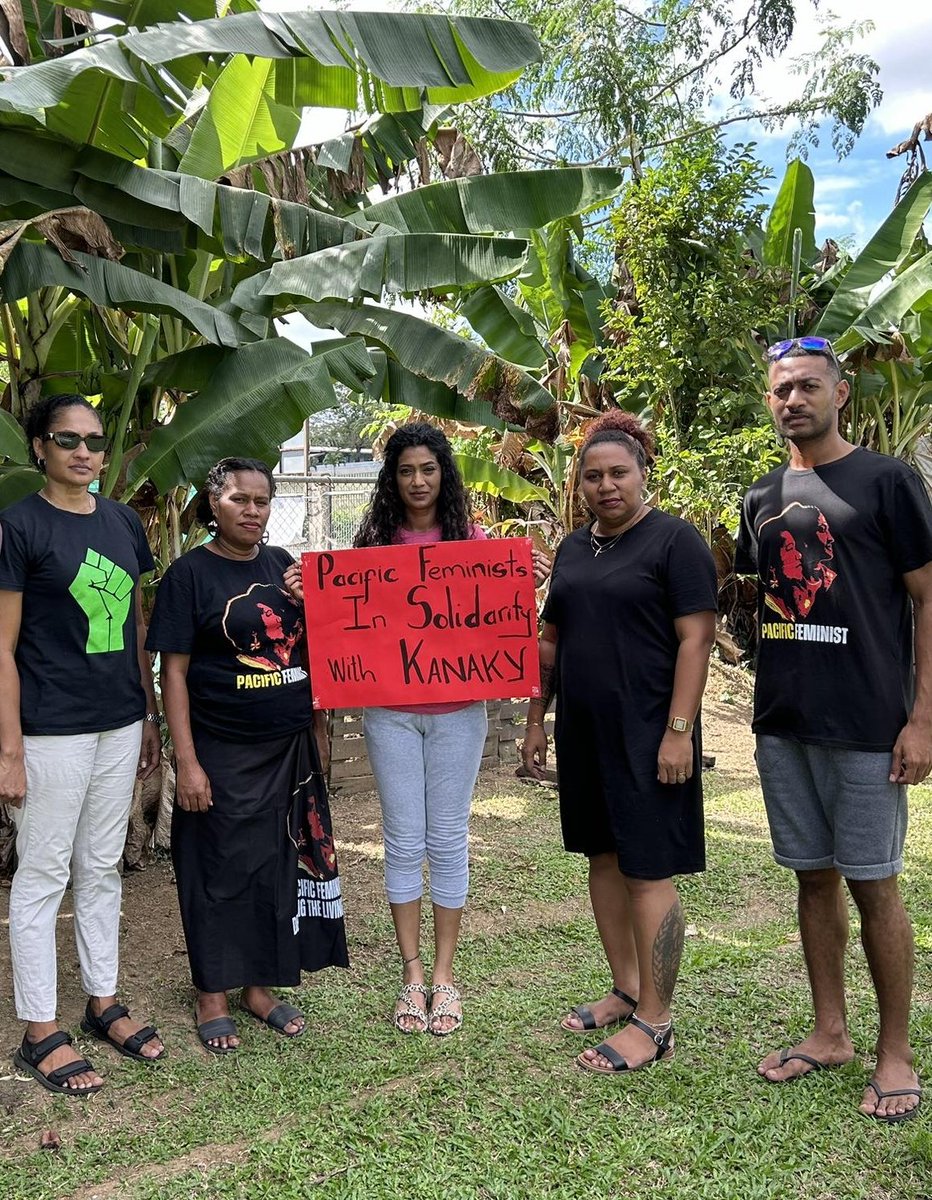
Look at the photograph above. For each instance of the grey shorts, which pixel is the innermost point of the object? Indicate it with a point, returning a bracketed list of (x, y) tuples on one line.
[(832, 808)]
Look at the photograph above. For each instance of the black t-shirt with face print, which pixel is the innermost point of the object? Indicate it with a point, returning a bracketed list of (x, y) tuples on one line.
[(830, 546), (244, 634), (76, 653)]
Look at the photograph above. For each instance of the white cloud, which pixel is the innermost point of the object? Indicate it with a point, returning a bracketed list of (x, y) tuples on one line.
[(828, 185), (899, 43)]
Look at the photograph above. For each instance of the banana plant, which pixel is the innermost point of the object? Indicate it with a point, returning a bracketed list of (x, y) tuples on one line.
[(132, 271)]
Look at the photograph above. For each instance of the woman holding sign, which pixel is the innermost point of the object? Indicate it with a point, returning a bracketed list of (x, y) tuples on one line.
[(628, 627), (425, 758), (252, 844)]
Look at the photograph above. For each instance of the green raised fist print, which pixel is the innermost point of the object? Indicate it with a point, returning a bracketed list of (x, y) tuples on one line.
[(104, 592)]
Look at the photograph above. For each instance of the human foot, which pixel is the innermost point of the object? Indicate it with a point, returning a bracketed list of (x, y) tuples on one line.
[(639, 1044), (109, 1021), (410, 1015), (614, 1008), (46, 1054), (260, 1003), (816, 1053), (221, 1038), (446, 1013), (893, 1094)]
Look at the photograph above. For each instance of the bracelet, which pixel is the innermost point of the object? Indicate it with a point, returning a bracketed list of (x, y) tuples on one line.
[(154, 718), (539, 724)]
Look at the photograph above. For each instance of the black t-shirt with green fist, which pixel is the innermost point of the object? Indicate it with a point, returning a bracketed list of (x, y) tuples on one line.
[(76, 653)]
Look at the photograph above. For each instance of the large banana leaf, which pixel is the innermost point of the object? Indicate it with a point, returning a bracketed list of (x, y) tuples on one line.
[(794, 208), (483, 475), (257, 397), (504, 327), (912, 287), (434, 353), (111, 285), (400, 263), (885, 252), (241, 122), (141, 13), (511, 200), (12, 439), (18, 482), (556, 288), (113, 94), (393, 385), (38, 174)]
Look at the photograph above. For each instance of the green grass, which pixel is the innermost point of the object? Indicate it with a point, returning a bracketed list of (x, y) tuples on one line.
[(499, 1112)]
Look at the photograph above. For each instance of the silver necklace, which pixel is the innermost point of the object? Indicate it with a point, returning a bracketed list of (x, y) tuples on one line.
[(598, 548)]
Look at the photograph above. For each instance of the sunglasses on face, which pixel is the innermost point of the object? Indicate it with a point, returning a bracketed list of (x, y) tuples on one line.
[(95, 442), (810, 345)]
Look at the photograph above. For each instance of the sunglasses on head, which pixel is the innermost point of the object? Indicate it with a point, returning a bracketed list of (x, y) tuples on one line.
[(810, 345), (95, 442)]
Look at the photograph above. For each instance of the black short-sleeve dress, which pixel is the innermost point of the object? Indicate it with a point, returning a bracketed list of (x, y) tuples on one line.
[(257, 877), (616, 656)]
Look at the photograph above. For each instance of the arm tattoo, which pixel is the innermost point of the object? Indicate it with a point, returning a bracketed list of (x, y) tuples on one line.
[(667, 951), (548, 684)]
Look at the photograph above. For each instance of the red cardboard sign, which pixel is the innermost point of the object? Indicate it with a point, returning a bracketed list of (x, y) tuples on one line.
[(398, 625)]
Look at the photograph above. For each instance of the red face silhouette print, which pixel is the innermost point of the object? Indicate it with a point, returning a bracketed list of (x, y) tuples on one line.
[(264, 625), (316, 851), (794, 559)]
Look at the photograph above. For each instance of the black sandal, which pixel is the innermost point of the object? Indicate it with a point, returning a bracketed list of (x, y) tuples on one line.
[(216, 1027), (661, 1036), (30, 1054), (584, 1012), (99, 1027)]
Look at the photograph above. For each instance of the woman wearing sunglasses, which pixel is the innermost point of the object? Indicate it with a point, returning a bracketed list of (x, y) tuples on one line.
[(78, 725)]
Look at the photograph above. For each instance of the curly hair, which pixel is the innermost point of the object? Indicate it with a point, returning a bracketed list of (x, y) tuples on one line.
[(40, 417), (385, 512), (216, 481), (624, 429)]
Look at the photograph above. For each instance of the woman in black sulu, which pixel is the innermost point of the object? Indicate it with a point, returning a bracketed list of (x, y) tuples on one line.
[(252, 842)]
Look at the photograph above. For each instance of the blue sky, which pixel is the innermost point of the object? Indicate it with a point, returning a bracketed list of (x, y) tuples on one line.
[(854, 195)]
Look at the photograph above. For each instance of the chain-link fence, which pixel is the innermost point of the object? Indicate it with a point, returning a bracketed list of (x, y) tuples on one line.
[(318, 512)]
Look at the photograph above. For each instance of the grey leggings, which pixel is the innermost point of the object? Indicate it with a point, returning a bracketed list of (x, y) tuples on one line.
[(425, 767)]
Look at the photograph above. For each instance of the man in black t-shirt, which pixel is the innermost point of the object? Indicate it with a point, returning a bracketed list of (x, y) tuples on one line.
[(841, 540)]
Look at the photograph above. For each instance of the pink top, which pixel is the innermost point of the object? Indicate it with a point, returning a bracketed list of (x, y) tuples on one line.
[(425, 537)]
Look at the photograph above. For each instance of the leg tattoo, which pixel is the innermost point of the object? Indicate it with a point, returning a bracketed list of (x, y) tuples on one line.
[(668, 949)]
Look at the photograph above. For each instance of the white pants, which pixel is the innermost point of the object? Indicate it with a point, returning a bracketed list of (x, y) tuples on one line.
[(79, 789)]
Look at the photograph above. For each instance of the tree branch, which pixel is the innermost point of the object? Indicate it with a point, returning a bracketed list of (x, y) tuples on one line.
[(783, 111), (641, 20), (706, 63), (550, 116)]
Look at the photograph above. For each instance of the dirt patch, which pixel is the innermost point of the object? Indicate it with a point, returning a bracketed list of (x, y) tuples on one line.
[(727, 708)]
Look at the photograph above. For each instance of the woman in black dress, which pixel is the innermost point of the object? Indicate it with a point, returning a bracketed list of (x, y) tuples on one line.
[(628, 627), (252, 843)]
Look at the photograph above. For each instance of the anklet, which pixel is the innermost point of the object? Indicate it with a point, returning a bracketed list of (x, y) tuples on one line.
[(662, 1028), (414, 958)]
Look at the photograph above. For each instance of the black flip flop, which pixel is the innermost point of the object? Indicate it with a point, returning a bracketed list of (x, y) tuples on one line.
[(280, 1016), (30, 1054), (99, 1027), (216, 1028), (894, 1118)]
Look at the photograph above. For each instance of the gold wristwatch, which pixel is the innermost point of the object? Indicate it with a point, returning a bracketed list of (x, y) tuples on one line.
[(680, 725)]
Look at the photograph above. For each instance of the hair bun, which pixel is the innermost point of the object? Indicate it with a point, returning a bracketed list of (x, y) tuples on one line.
[(623, 422)]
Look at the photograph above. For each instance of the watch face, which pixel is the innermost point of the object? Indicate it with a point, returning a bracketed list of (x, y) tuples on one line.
[(679, 724)]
